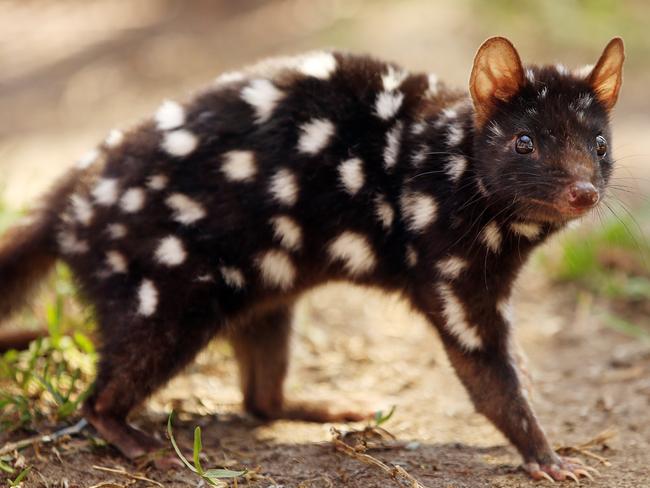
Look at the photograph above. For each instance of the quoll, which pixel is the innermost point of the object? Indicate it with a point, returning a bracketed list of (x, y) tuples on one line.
[(215, 215)]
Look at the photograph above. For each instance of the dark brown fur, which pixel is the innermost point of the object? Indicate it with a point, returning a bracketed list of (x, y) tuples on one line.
[(467, 206)]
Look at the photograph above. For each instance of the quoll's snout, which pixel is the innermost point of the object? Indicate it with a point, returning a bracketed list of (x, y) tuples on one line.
[(582, 195)]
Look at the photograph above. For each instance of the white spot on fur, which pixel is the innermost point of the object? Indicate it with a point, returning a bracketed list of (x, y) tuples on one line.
[(315, 135), (170, 251), (411, 256), (105, 191), (543, 92), (230, 77), (433, 85), (239, 165), (179, 142), (276, 269), (263, 96), (114, 138), (319, 65), (455, 135), (446, 117), (284, 187), (584, 71), (456, 321), (420, 156), (393, 142), (561, 69), (88, 159), (148, 298), (232, 276), (393, 78), (456, 166), (388, 103), (157, 182), (287, 232), (186, 210), (384, 211), (353, 251), (530, 76), (81, 209), (491, 237), (69, 244), (351, 175), (526, 229), (449, 113), (504, 308), (419, 210), (205, 278), (418, 128), (451, 267), (116, 231), (481, 187), (170, 115), (116, 262), (524, 425), (133, 200)]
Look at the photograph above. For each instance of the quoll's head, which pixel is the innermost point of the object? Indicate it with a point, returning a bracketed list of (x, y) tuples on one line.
[(542, 140)]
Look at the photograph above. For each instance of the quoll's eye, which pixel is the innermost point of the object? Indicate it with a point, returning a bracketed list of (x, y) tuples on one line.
[(524, 144), (601, 146)]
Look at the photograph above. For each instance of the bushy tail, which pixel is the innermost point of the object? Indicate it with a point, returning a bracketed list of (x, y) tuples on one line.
[(28, 250)]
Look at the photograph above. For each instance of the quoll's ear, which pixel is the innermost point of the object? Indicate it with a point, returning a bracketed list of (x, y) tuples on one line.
[(607, 76), (497, 74)]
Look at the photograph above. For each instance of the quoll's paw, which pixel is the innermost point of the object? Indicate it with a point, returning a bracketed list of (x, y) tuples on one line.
[(323, 413), (565, 468)]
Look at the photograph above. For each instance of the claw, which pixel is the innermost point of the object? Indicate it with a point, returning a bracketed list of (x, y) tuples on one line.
[(545, 476), (583, 472), (571, 475), (556, 472), (589, 468)]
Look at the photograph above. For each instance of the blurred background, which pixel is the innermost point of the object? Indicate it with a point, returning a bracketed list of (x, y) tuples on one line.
[(72, 70)]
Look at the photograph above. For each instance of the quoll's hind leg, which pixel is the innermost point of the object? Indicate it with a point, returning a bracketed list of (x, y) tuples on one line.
[(137, 357), (262, 349)]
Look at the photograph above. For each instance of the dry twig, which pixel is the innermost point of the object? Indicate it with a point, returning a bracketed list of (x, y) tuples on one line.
[(397, 473), (124, 472), (585, 448)]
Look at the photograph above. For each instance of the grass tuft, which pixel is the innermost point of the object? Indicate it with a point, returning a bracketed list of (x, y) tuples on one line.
[(212, 477)]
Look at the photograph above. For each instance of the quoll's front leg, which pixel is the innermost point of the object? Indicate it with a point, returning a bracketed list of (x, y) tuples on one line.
[(480, 351)]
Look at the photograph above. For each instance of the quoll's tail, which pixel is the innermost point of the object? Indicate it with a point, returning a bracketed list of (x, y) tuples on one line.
[(28, 250)]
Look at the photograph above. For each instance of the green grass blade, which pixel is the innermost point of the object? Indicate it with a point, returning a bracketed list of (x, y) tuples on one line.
[(218, 474), (198, 447), (21, 476), (175, 446), (380, 418)]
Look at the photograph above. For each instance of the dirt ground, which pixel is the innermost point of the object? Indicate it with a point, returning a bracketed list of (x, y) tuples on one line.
[(356, 347), (93, 65)]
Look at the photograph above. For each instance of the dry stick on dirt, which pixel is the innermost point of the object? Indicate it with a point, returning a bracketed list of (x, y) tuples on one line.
[(397, 473), (43, 439), (585, 448), (124, 472)]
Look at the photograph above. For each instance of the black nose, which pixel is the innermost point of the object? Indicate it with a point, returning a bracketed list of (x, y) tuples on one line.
[(583, 195)]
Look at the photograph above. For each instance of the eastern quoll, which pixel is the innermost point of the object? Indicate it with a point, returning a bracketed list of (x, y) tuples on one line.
[(215, 215)]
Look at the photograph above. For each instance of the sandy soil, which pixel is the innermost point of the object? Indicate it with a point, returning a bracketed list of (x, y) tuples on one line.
[(356, 347)]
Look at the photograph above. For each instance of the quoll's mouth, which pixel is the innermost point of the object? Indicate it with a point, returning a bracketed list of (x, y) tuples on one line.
[(553, 211)]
